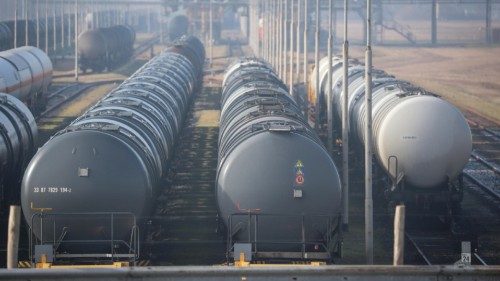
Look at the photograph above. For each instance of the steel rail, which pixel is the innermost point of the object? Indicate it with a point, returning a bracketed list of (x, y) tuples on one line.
[(481, 185), (419, 250)]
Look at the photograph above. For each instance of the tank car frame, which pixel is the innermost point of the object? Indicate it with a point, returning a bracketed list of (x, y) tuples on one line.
[(273, 207), (108, 164), (18, 134), (417, 119), (105, 48), (26, 73)]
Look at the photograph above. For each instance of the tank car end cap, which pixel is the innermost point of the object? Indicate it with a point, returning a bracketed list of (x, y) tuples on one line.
[(430, 139), (86, 171), (268, 171)]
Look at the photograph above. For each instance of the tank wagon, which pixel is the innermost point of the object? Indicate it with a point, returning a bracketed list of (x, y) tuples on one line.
[(105, 48), (106, 165), (7, 29), (178, 25), (17, 145), (422, 142), (278, 190), (194, 50), (5, 37), (26, 73)]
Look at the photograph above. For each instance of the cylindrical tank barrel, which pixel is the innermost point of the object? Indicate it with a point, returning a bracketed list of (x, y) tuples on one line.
[(417, 136), (105, 47), (25, 72), (271, 163), (177, 26), (46, 28), (111, 159), (6, 36), (18, 133), (195, 51)]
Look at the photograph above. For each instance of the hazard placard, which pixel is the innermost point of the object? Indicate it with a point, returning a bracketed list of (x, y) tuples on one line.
[(299, 179)]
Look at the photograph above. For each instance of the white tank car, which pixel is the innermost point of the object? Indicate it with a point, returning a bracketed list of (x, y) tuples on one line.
[(314, 94), (419, 139), (323, 77)]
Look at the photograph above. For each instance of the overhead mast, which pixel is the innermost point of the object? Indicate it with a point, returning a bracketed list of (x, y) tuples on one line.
[(368, 138), (329, 105), (345, 123), (316, 63)]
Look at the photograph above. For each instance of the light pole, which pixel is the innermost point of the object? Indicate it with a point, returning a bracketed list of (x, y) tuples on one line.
[(211, 39), (316, 63), (297, 54), (292, 51), (345, 122), (15, 23), (329, 90), (306, 23), (285, 41), (76, 40), (368, 138), (37, 23)]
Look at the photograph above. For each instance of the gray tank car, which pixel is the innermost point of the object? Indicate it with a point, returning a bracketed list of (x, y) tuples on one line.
[(105, 48), (17, 145), (111, 159), (5, 36), (26, 73), (421, 141), (23, 26), (193, 50), (276, 183), (63, 25), (177, 26)]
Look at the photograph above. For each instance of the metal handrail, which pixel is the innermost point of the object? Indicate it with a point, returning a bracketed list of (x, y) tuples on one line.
[(132, 245), (332, 229)]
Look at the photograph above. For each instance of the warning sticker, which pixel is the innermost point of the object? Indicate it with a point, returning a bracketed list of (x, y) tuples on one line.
[(299, 173), (299, 179)]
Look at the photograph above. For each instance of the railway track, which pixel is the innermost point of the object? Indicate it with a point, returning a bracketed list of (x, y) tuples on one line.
[(183, 227), (439, 245), (484, 175), (483, 170), (68, 93), (438, 249), (146, 45), (52, 120), (143, 47)]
